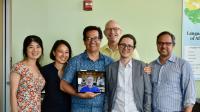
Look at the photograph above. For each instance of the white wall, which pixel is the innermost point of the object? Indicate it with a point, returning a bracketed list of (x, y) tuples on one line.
[(65, 19), (56, 19)]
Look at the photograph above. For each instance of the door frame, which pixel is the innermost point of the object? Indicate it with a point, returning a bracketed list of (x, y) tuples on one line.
[(7, 60)]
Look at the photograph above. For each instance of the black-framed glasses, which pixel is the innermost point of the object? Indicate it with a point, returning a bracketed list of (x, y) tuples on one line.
[(126, 46), (89, 39), (164, 43)]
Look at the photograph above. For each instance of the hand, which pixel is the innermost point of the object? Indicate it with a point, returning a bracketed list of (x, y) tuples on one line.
[(188, 108), (87, 95), (148, 69)]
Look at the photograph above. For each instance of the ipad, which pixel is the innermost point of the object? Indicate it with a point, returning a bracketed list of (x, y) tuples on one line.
[(90, 81)]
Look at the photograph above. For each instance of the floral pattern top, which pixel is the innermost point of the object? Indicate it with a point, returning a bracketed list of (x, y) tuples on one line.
[(29, 89)]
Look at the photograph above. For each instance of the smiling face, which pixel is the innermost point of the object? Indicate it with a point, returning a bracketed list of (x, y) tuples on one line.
[(92, 41), (165, 46), (126, 48), (112, 31), (33, 51), (61, 54)]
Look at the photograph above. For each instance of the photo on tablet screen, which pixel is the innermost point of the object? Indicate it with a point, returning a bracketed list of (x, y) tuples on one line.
[(90, 81)]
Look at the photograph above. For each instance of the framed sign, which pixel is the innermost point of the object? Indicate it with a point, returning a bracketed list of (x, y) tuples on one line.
[(191, 35)]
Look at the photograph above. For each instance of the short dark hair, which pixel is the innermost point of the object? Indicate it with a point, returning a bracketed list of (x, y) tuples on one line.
[(89, 28), (128, 36), (27, 42), (55, 46), (167, 33)]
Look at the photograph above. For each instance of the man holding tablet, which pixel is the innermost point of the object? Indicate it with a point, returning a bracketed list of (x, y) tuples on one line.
[(90, 59)]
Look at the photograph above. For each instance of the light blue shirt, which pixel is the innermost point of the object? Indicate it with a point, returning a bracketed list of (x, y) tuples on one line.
[(173, 85), (82, 62)]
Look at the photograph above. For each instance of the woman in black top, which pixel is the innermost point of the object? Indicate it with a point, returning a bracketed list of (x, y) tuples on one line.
[(54, 99)]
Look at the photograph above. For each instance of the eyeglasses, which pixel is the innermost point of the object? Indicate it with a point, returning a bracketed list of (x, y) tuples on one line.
[(126, 46), (89, 39), (164, 43), (115, 29)]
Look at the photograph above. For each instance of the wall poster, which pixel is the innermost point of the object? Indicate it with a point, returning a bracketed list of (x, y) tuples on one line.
[(191, 35)]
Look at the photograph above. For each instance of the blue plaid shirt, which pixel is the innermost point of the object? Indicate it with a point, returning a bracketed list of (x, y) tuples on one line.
[(82, 62), (173, 85)]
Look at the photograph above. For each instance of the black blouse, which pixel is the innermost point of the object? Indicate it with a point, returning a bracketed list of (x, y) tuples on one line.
[(54, 99)]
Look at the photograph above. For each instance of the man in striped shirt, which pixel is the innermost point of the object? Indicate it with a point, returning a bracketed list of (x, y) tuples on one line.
[(172, 79)]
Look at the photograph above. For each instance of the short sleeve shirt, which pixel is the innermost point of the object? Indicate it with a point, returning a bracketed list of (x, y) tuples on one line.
[(82, 62)]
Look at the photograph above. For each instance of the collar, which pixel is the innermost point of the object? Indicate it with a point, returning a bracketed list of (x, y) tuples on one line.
[(171, 59), (108, 48), (85, 56), (128, 65)]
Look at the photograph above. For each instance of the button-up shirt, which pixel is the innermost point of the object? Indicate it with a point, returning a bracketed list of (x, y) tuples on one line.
[(83, 62), (173, 85), (124, 96)]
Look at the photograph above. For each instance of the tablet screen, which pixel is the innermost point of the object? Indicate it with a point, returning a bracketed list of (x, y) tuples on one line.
[(91, 81)]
